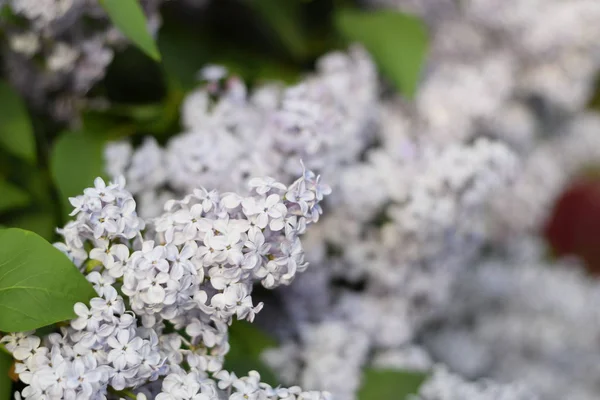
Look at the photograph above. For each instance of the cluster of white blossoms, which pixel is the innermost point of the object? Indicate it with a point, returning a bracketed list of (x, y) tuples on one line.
[(391, 187), (231, 134), (530, 99), (55, 50), (525, 72), (432, 224), (443, 385), (168, 289), (519, 316), (516, 66)]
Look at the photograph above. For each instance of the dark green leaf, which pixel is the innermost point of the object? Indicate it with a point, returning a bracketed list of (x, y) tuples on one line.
[(106, 125), (184, 52), (388, 384), (16, 131), (128, 16), (397, 42), (97, 122), (123, 86), (5, 382), (283, 17), (12, 197), (76, 160), (247, 343), (38, 283)]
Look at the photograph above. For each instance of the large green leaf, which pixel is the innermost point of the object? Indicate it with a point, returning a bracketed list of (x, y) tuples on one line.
[(128, 16), (12, 197), (397, 42), (247, 343), (76, 160), (5, 382), (38, 283), (389, 384), (16, 130)]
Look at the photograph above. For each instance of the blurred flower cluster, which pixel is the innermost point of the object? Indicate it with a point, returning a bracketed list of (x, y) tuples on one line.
[(56, 50), (231, 134)]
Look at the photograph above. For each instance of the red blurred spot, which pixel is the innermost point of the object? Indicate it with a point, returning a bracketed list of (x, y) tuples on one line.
[(574, 226)]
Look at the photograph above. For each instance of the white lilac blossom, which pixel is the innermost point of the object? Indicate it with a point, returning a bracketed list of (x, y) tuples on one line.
[(232, 134), (167, 290), (410, 357), (60, 48), (443, 385), (397, 275), (333, 353), (437, 196), (405, 216), (517, 316), (404, 286), (516, 66)]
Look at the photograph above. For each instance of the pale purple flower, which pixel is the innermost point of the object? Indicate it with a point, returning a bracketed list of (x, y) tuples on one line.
[(110, 304), (100, 281), (100, 191), (82, 378), (151, 287), (88, 319), (125, 349), (268, 211), (264, 185)]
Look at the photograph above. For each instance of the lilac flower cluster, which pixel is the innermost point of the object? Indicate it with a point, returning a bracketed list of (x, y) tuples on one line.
[(526, 75), (168, 289), (543, 329), (392, 186), (519, 66), (443, 385), (103, 346), (55, 56), (230, 134)]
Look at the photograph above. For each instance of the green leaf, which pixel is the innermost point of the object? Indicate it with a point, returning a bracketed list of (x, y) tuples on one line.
[(106, 125), (38, 284), (128, 16), (283, 18), (16, 130), (397, 42), (389, 384), (247, 343), (184, 52), (12, 197), (5, 382), (76, 160)]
